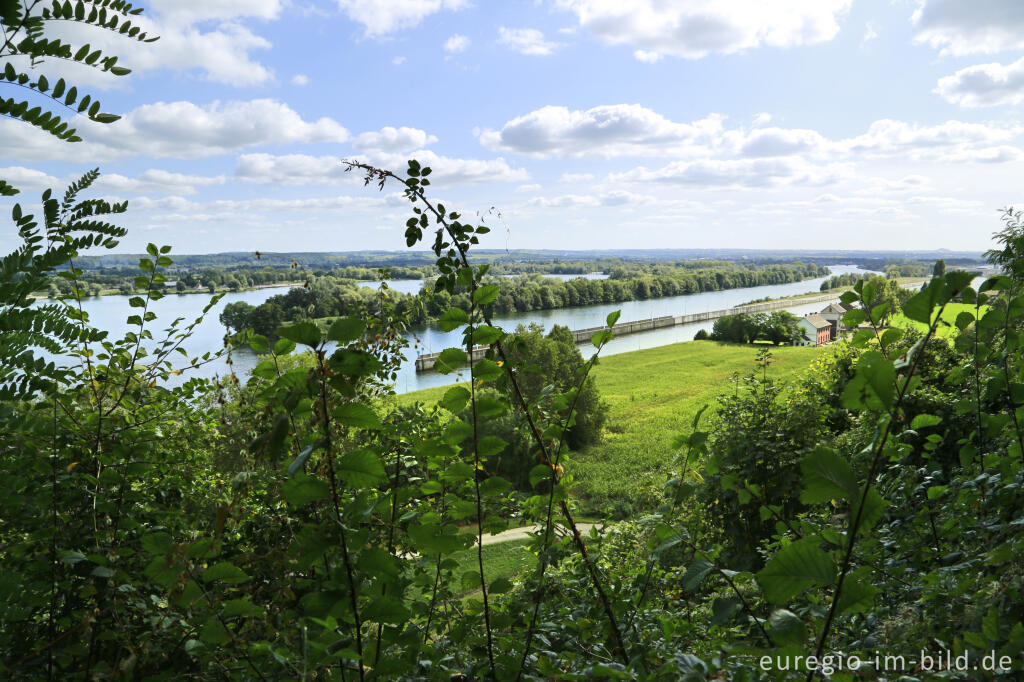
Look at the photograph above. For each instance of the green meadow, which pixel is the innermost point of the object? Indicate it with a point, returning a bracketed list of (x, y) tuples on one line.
[(947, 328), (652, 397)]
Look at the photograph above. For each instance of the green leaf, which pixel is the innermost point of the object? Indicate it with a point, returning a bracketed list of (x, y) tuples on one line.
[(449, 360), (354, 363), (827, 476), (786, 628), (858, 593), (874, 508), (283, 347), (494, 485), (357, 416), (152, 249), (873, 386), (300, 459), (488, 406), (305, 332), (225, 571), (241, 607), (304, 489), (72, 558), (452, 319), (213, 632), (795, 568), (471, 580), (386, 610), (485, 335), (485, 294), (919, 307), (361, 468), (923, 420), (486, 370), (491, 445), (612, 318), (259, 343), (695, 574), (455, 399), (157, 543), (500, 586), (346, 330), (377, 562), (723, 609), (541, 473)]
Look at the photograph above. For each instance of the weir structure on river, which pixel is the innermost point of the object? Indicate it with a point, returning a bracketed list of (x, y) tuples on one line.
[(425, 363)]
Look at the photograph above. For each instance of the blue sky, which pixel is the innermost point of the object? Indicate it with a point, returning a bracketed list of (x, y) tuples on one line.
[(585, 123)]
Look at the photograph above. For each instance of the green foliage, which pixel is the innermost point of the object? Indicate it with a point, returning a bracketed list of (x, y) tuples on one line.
[(778, 327), (304, 523)]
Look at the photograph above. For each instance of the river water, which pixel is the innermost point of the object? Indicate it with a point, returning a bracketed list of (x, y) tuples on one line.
[(111, 312)]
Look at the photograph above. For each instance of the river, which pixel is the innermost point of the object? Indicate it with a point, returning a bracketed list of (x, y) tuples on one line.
[(111, 312)]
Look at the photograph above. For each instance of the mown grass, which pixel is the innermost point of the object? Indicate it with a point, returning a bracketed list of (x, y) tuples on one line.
[(652, 397)]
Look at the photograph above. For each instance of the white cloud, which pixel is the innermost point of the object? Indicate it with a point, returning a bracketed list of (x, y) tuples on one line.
[(869, 34), (398, 61), (781, 142), (191, 11), (979, 26), (177, 130), (735, 173), (949, 141), (300, 169), (609, 130), (576, 177), (529, 188), (300, 79), (457, 43), (694, 28), (648, 57), (394, 139), (220, 53), (381, 17), (984, 85), (27, 179), (156, 180), (632, 130), (211, 210), (528, 41), (292, 169), (612, 198)]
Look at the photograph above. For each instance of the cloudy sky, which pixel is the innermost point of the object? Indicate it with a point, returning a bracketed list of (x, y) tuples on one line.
[(584, 123)]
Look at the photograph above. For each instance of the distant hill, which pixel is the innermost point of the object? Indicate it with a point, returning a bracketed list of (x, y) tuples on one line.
[(375, 259)]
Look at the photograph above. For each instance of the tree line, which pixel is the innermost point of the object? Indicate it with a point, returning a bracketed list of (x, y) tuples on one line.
[(327, 296)]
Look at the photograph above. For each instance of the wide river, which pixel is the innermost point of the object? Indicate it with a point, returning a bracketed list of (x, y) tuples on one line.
[(111, 312)]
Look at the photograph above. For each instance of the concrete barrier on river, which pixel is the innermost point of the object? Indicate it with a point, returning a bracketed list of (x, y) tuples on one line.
[(426, 363)]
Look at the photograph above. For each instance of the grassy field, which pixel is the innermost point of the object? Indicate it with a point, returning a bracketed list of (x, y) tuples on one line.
[(947, 329), (501, 560), (652, 396)]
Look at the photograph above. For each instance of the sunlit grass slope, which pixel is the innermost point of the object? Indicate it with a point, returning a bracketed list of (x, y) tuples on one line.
[(652, 396)]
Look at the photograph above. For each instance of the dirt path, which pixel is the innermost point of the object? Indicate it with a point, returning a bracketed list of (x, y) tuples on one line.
[(524, 532)]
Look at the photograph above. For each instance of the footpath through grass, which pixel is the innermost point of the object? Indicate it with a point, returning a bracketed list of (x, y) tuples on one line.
[(653, 395)]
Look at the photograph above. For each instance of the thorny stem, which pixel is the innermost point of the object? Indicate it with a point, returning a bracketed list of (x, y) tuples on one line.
[(418, 194), (552, 482), (328, 449), (872, 472)]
